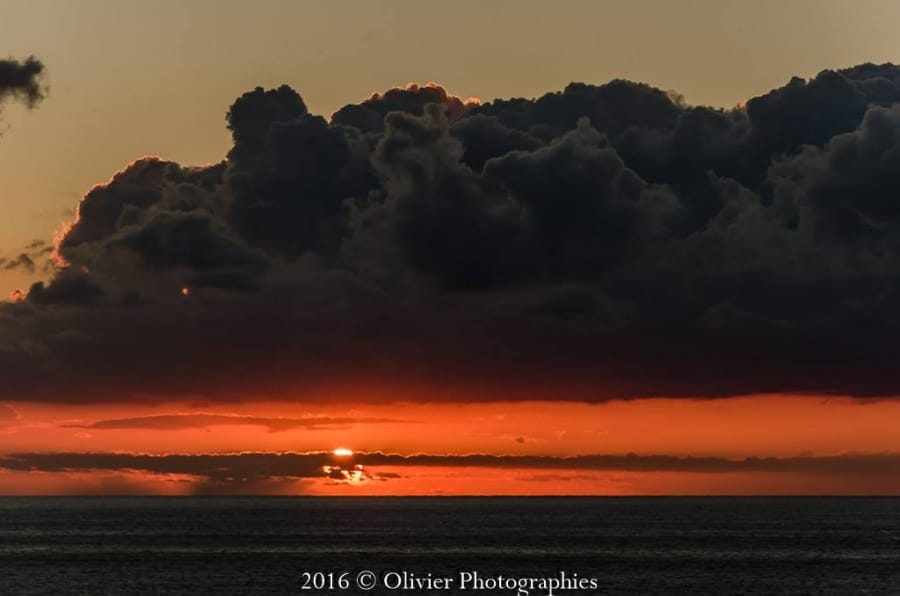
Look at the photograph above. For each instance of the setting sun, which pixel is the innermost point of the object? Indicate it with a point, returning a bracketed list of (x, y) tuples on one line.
[(342, 452)]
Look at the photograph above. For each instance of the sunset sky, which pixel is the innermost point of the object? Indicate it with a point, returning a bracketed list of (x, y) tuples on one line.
[(606, 248)]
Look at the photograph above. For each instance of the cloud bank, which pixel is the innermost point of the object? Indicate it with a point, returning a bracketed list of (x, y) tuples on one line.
[(599, 242), (261, 466)]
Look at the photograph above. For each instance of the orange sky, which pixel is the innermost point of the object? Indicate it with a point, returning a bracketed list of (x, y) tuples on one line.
[(758, 426), (107, 108)]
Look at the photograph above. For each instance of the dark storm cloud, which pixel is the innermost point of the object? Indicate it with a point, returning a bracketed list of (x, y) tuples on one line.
[(585, 211), (806, 113), (484, 137), (21, 80), (611, 108), (368, 115), (261, 466), (194, 421), (68, 287), (597, 242), (434, 214), (288, 174)]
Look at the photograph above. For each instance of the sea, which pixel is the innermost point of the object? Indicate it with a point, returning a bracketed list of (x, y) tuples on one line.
[(449, 545)]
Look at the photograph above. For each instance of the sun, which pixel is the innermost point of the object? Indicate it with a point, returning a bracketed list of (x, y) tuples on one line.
[(342, 452)]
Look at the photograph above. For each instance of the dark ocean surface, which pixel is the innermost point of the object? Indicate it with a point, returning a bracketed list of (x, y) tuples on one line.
[(250, 545)]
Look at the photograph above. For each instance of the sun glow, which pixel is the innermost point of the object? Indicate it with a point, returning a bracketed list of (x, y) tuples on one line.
[(342, 452)]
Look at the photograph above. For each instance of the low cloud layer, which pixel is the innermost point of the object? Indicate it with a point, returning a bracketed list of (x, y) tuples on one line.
[(170, 422), (598, 242), (261, 466)]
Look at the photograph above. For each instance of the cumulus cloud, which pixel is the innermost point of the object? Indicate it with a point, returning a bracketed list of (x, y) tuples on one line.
[(598, 242), (369, 114)]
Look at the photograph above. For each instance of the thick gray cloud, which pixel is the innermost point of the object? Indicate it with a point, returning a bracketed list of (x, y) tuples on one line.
[(369, 114), (434, 215), (593, 243)]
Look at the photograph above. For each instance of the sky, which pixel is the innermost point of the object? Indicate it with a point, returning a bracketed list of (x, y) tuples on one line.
[(235, 238), (127, 80)]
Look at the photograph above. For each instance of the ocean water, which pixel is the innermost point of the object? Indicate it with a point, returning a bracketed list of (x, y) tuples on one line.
[(265, 545)]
